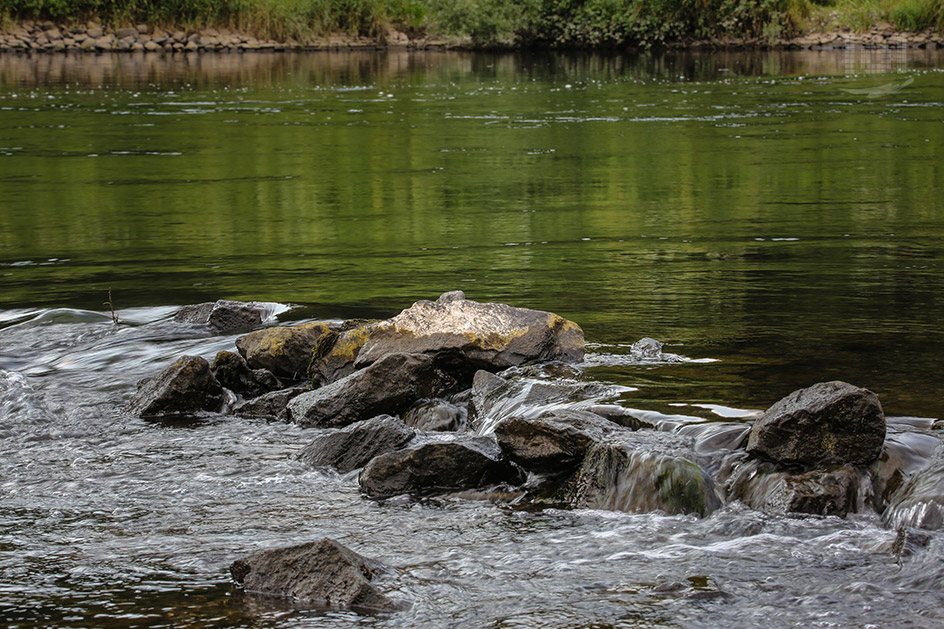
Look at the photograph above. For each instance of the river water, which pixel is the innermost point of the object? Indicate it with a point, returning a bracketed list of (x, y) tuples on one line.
[(774, 218)]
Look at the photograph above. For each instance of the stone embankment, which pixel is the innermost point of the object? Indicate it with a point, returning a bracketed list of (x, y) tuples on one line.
[(45, 36)]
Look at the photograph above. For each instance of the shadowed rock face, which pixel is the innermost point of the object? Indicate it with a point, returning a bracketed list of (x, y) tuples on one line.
[(233, 372), (323, 573), (222, 315), (489, 336), (272, 405), (830, 423), (437, 466), (349, 448), (285, 351), (187, 386), (388, 386)]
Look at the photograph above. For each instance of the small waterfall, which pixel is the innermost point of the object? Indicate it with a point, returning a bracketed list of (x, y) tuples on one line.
[(920, 501)]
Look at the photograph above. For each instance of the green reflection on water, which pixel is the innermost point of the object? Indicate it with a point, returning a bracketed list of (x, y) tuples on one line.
[(744, 207)]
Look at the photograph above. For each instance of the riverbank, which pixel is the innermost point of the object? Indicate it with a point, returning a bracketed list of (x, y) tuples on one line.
[(31, 36)]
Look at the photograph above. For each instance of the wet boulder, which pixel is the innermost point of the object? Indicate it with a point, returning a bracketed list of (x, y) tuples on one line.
[(322, 573), (436, 415), (920, 501), (286, 351), (389, 386), (489, 336), (349, 448), (828, 424), (437, 466), (642, 472), (232, 371), (223, 316), (185, 387), (553, 442), (334, 353), (766, 487), (272, 405)]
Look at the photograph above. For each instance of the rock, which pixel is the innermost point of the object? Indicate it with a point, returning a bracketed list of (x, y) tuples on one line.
[(349, 448), (390, 385), (233, 372), (322, 573), (126, 32), (142, 29), (94, 31), (828, 424), (225, 316), (436, 415), (152, 46), (285, 351), (622, 416), (642, 472), (762, 486), (272, 405), (494, 398), (920, 501), (334, 354), (555, 441), (435, 467), (489, 336), (187, 386)]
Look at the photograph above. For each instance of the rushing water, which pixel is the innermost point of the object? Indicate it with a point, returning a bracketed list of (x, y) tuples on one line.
[(771, 227)]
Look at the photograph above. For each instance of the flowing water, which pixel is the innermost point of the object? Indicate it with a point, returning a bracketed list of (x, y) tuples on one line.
[(774, 218)]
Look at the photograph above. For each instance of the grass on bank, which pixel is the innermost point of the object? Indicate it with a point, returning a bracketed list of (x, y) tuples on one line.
[(552, 23)]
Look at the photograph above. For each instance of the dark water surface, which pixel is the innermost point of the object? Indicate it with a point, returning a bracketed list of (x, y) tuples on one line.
[(760, 213)]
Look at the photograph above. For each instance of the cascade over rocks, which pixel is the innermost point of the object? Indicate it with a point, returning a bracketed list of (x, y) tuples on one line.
[(827, 424), (556, 441), (437, 466), (920, 501), (644, 471), (272, 405), (349, 448), (223, 315), (436, 415), (233, 372), (390, 386), (187, 386), (323, 573), (285, 351), (489, 336)]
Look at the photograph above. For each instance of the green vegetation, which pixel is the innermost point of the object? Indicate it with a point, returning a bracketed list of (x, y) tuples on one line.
[(553, 23)]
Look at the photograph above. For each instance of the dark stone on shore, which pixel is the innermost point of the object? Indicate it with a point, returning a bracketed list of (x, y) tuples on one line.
[(644, 471), (273, 405), (349, 448), (488, 336), (334, 354), (187, 386), (622, 416), (285, 351), (388, 386), (555, 442), (322, 573), (223, 316), (232, 371), (920, 501), (828, 424), (437, 466), (436, 416)]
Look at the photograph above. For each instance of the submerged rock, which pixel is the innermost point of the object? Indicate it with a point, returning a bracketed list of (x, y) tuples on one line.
[(187, 386), (828, 424), (920, 501), (553, 442), (222, 315), (436, 415), (285, 351), (643, 472), (272, 405), (232, 371), (322, 573), (388, 386), (437, 466), (765, 487), (489, 336), (349, 448)]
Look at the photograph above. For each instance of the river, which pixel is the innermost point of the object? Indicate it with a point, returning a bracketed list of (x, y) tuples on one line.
[(775, 218)]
